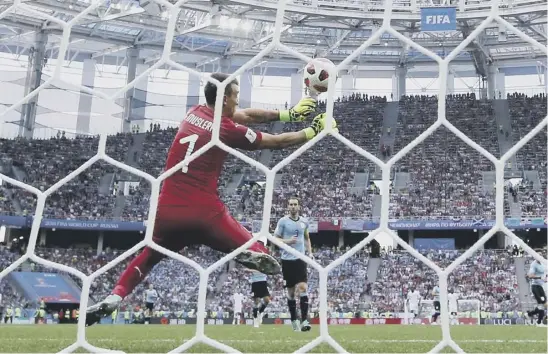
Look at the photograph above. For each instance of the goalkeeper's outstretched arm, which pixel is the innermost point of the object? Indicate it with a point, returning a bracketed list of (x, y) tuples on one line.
[(300, 112), (281, 141)]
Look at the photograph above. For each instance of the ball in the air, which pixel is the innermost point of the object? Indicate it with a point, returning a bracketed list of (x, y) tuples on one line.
[(316, 75)]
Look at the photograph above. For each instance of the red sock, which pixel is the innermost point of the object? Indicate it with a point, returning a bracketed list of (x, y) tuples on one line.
[(258, 247), (136, 271)]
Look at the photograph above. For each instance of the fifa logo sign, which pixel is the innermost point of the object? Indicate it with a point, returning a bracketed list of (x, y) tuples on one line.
[(438, 19)]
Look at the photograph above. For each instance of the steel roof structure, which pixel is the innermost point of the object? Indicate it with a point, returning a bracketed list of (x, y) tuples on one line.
[(225, 33)]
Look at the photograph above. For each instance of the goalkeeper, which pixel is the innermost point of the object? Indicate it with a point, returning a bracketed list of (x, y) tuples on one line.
[(189, 208)]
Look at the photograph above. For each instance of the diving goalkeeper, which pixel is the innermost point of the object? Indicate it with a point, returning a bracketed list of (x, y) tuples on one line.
[(190, 210)]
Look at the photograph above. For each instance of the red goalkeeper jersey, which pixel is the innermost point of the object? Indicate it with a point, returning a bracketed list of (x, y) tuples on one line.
[(196, 184)]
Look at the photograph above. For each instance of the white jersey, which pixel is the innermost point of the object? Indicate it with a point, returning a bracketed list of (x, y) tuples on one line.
[(414, 297), (453, 304), (151, 296), (238, 299), (436, 293)]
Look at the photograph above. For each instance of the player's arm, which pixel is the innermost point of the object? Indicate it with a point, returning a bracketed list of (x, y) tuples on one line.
[(279, 231), (298, 113), (281, 141), (241, 137), (308, 243)]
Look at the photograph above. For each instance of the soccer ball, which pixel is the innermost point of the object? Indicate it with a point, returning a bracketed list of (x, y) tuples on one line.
[(316, 75)]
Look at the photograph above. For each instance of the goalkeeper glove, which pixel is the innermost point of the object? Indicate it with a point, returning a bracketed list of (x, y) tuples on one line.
[(300, 111), (318, 124)]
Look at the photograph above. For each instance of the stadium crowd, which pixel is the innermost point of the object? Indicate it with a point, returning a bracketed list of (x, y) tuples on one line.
[(445, 181), (487, 276), (42, 163), (526, 112), (446, 173)]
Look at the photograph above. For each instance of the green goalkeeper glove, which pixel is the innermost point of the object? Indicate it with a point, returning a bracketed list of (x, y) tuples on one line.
[(300, 111), (318, 124)]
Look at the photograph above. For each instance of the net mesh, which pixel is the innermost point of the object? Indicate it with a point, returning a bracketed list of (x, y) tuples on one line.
[(464, 308), (275, 44)]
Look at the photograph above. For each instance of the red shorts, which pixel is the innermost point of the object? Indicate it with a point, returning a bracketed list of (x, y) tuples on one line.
[(179, 226)]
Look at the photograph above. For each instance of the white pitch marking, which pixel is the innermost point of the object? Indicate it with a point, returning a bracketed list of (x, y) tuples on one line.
[(167, 340)]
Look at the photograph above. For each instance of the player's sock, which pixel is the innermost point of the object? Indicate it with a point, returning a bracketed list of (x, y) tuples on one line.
[(540, 316), (263, 306), (255, 312), (136, 271), (292, 304), (304, 306)]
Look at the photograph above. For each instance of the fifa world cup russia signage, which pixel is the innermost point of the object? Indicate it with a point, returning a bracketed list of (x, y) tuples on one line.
[(316, 225), (438, 19)]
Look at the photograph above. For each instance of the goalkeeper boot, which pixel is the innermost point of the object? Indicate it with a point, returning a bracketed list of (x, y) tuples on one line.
[(296, 325), (262, 262), (102, 309), (305, 326)]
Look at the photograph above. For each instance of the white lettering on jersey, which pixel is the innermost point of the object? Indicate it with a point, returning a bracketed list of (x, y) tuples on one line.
[(251, 135), (199, 122)]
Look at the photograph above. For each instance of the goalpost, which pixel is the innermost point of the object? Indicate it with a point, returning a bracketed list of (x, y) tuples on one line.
[(173, 11), (468, 312)]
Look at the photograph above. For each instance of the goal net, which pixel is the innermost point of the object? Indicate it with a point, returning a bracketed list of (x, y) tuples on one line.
[(466, 312), (383, 15)]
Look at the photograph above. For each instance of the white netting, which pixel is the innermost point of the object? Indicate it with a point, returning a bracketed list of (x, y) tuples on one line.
[(465, 308), (200, 336)]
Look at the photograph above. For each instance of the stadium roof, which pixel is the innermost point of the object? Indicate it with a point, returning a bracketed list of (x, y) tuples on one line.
[(229, 32)]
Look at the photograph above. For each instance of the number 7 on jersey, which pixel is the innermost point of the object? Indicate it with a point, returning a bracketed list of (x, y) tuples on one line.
[(191, 140)]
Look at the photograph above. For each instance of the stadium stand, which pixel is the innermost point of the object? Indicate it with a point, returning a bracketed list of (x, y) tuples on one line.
[(446, 173), (446, 181), (488, 275)]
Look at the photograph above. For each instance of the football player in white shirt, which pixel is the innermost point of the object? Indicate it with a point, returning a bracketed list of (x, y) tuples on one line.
[(437, 305), (413, 301), (238, 298), (151, 297), (453, 303)]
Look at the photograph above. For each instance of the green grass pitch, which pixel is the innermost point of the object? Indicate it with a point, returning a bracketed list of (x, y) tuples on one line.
[(275, 338)]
